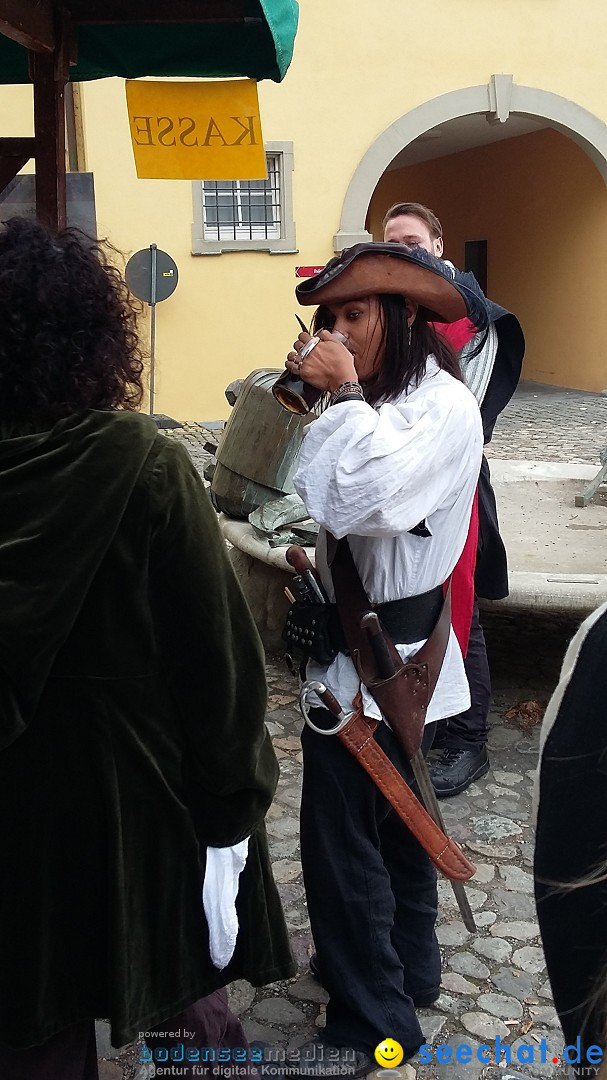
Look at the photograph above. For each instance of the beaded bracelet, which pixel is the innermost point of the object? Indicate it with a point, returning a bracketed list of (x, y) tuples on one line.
[(348, 391)]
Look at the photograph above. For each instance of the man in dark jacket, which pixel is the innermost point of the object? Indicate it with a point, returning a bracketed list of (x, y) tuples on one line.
[(491, 368)]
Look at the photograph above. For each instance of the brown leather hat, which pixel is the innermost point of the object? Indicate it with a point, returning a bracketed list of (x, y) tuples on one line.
[(369, 269)]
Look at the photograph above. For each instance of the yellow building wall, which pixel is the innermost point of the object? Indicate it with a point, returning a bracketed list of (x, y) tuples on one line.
[(541, 205), (219, 323), (351, 78)]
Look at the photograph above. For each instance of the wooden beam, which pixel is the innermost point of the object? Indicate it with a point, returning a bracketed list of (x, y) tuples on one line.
[(9, 167), (48, 76), (14, 154), (79, 125), (29, 22), (156, 11), (18, 148), (74, 128)]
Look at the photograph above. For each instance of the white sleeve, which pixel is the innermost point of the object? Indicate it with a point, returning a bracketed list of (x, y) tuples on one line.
[(380, 472)]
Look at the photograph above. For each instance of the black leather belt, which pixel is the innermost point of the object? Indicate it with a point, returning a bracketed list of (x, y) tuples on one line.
[(413, 618), (408, 620)]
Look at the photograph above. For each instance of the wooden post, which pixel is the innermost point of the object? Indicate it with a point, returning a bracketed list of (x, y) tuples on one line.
[(49, 74), (49, 126)]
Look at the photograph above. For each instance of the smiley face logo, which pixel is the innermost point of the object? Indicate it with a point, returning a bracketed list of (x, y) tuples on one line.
[(389, 1054)]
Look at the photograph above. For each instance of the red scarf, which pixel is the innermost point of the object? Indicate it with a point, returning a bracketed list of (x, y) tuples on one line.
[(459, 334), (462, 583)]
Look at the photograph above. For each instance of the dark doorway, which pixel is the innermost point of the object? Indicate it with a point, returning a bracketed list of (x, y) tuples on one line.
[(475, 261)]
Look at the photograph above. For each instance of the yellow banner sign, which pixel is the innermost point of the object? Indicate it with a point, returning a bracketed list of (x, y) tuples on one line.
[(196, 130)]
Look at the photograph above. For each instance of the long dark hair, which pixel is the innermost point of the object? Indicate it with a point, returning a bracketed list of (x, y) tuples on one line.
[(404, 361), (68, 339)]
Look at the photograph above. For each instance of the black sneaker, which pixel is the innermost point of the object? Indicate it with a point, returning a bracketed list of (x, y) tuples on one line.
[(457, 769), (318, 1059), (424, 1001)]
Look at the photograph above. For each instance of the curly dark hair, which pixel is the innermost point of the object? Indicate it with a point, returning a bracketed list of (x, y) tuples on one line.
[(68, 338)]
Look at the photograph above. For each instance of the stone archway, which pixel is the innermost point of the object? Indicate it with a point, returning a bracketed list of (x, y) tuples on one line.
[(500, 97)]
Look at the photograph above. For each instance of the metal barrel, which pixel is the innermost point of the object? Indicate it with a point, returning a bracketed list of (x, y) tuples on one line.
[(257, 455)]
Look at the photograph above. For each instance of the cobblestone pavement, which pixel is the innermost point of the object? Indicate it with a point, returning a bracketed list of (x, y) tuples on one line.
[(494, 982), (546, 423), (541, 423), (194, 436)]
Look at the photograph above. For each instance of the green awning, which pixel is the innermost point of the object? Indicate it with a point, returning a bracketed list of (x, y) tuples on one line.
[(260, 47)]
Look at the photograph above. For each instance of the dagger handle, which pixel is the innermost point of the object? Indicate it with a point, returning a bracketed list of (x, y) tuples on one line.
[(379, 645), (297, 558), (331, 703)]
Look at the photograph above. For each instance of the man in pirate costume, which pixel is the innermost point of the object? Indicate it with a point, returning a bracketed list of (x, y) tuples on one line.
[(400, 445), (491, 365)]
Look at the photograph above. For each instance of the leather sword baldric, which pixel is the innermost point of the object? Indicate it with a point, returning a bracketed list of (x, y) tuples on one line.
[(403, 690), (356, 731), (446, 855)]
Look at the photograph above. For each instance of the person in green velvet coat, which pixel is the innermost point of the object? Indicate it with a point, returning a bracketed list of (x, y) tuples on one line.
[(132, 686)]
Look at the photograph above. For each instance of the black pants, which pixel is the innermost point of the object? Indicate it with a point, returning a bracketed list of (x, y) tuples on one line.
[(372, 897), (469, 730)]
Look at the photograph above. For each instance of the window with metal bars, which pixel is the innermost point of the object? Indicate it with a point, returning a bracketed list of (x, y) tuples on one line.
[(241, 215), (243, 209)]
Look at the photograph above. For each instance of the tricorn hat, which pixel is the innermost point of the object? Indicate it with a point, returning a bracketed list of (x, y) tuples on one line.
[(370, 269)]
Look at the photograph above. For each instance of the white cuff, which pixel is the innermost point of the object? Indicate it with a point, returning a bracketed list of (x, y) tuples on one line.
[(219, 892)]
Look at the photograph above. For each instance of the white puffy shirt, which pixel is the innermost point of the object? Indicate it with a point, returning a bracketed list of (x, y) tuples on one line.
[(374, 473)]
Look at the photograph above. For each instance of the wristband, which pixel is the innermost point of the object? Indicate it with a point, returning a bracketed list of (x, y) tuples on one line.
[(349, 391), (345, 397)]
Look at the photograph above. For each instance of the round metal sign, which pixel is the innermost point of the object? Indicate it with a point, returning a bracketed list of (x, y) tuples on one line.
[(151, 275)]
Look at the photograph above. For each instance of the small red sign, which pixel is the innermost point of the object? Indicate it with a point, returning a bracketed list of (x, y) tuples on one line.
[(307, 271)]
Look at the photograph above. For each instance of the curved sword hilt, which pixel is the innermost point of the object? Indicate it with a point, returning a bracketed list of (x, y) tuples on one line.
[(329, 701)]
